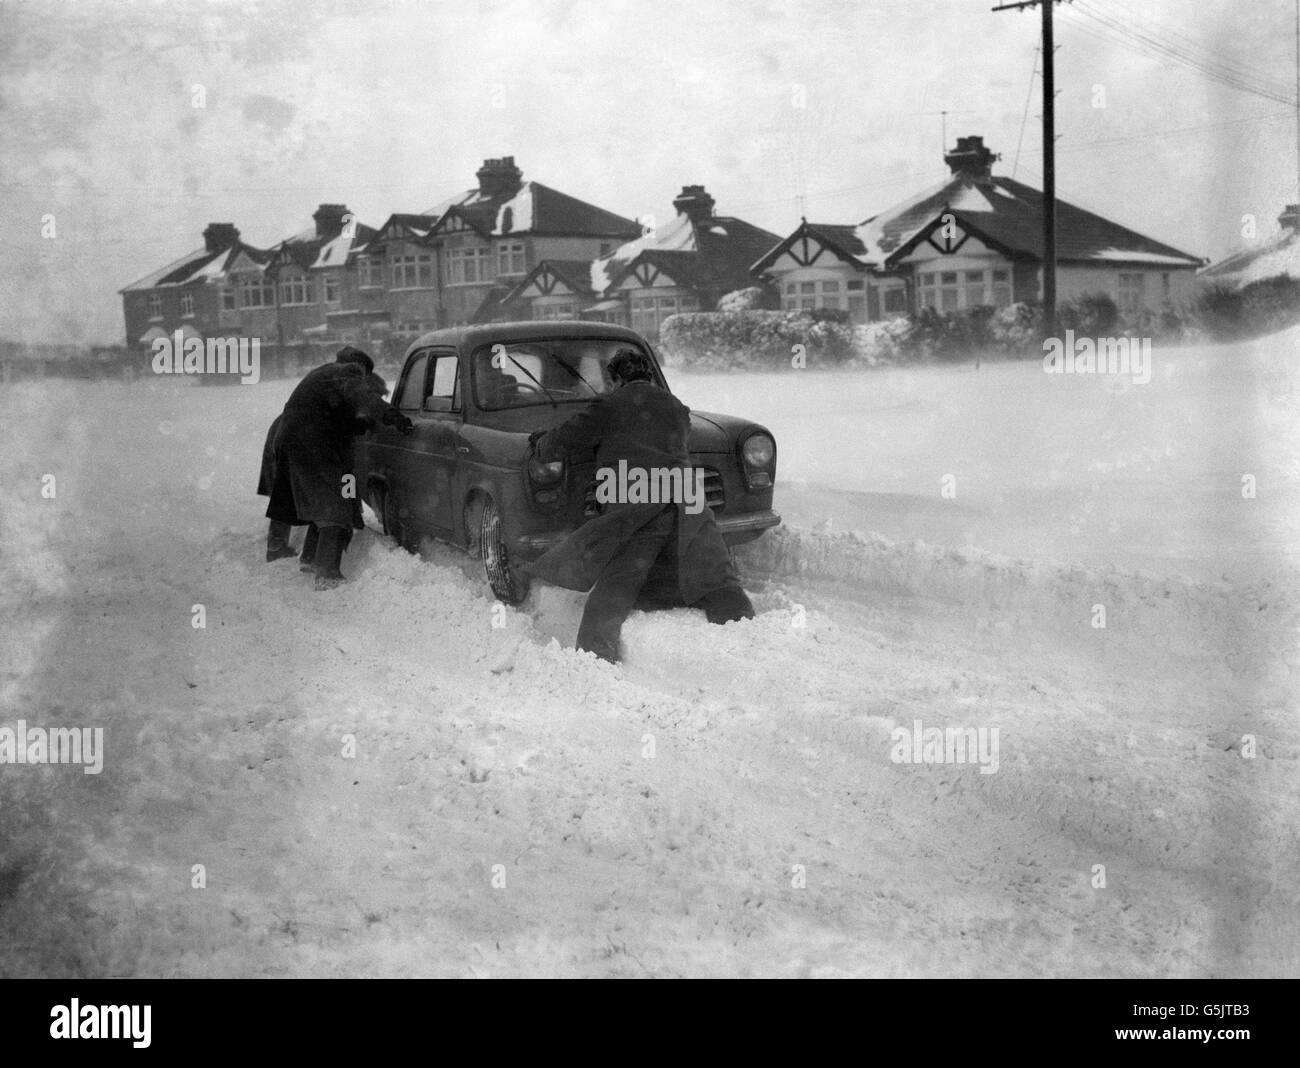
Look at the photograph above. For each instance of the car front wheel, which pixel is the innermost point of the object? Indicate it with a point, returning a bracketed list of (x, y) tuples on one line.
[(509, 586)]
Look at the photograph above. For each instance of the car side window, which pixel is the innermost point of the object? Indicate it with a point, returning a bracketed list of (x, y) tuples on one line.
[(441, 393), (413, 384)]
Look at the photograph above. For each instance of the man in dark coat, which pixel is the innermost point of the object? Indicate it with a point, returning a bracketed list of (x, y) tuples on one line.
[(309, 452), (677, 543)]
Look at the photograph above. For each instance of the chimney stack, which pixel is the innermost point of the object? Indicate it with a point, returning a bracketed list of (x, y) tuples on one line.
[(971, 159), (1290, 217), (329, 220), (693, 201), (220, 236), (499, 177)]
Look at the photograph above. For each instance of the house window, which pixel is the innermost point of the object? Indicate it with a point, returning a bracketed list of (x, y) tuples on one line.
[(563, 310), (469, 266), (331, 286), (257, 291), (155, 306), (228, 302), (895, 301), (856, 283), (510, 257), (1131, 295), (187, 305), (648, 313), (974, 281), (372, 272), (1164, 284), (1001, 288), (830, 296), (297, 289), (413, 271)]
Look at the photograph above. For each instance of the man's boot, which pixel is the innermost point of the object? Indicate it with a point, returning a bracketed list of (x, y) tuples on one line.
[(307, 561), (329, 553), (277, 541), (729, 604)]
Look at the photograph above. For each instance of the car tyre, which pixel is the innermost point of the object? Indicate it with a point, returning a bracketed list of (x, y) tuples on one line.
[(506, 582), (393, 525)]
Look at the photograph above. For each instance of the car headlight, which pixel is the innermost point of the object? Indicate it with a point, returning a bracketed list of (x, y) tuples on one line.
[(544, 474), (758, 450)]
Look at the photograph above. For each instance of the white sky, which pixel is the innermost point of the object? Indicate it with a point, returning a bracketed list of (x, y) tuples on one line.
[(391, 106)]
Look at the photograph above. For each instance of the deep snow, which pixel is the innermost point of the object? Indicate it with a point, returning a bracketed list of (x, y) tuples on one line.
[(487, 754)]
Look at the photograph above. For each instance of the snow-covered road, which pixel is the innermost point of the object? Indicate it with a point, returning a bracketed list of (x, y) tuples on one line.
[(383, 780)]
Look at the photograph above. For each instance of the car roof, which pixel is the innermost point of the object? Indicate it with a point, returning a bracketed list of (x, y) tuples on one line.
[(477, 334)]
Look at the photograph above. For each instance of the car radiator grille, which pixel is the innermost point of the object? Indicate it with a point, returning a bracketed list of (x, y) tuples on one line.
[(714, 493)]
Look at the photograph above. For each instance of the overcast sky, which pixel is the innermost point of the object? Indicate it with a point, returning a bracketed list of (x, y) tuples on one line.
[(392, 106)]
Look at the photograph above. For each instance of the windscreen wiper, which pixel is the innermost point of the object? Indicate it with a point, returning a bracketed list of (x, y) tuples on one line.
[(573, 371)]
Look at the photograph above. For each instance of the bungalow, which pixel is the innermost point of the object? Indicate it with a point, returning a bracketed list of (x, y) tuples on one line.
[(1279, 254), (974, 239), (685, 265)]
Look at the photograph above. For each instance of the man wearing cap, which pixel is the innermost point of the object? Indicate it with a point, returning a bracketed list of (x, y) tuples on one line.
[(633, 550), (309, 451)]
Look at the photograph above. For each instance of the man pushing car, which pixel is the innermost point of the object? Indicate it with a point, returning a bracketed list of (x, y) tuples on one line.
[(309, 451), (655, 539)]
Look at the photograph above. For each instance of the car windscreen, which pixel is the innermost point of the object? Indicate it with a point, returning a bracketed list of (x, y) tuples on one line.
[(516, 374)]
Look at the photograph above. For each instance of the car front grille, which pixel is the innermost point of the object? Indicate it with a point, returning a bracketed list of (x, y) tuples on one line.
[(714, 493)]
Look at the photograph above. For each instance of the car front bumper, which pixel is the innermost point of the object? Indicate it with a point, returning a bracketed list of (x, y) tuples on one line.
[(735, 530)]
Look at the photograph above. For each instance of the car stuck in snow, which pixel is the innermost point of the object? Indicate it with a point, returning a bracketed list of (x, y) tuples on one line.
[(468, 476)]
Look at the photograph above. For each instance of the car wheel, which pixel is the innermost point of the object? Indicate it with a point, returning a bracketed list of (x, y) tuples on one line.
[(393, 525), (509, 586)]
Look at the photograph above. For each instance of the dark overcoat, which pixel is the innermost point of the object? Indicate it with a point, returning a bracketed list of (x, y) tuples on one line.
[(308, 449), (648, 428)]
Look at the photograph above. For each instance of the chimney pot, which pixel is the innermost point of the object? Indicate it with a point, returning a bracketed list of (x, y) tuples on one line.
[(329, 219), (499, 177), (220, 236), (694, 202), (971, 159)]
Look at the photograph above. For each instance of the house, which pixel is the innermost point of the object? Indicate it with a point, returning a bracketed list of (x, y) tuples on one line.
[(974, 239), (685, 265), (220, 290), (1279, 254), (316, 290), (459, 261)]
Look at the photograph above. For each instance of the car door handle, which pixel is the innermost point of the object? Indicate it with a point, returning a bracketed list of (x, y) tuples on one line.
[(462, 448)]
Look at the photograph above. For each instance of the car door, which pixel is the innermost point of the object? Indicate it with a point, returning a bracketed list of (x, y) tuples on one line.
[(437, 434)]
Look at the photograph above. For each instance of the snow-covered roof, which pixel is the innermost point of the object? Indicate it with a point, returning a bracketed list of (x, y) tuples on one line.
[(1279, 255)]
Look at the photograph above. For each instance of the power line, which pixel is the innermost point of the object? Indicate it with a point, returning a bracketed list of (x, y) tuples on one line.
[(1029, 95)]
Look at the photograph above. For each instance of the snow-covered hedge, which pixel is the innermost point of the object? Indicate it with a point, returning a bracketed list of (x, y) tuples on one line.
[(762, 340)]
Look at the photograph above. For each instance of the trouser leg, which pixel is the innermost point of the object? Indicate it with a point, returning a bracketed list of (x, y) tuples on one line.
[(277, 541), (307, 561), (329, 553), (615, 592), (726, 605)]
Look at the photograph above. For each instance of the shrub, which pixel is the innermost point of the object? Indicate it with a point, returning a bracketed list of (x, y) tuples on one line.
[(749, 299), (1091, 315), (762, 340)]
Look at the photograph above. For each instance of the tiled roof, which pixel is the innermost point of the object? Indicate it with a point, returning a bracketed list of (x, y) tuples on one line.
[(714, 252), (1009, 214), (533, 208), (196, 267)]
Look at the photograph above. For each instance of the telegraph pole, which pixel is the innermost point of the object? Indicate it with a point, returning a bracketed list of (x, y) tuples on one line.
[(1049, 160)]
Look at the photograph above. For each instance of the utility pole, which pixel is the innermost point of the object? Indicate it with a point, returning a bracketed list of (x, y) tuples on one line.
[(1049, 160)]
